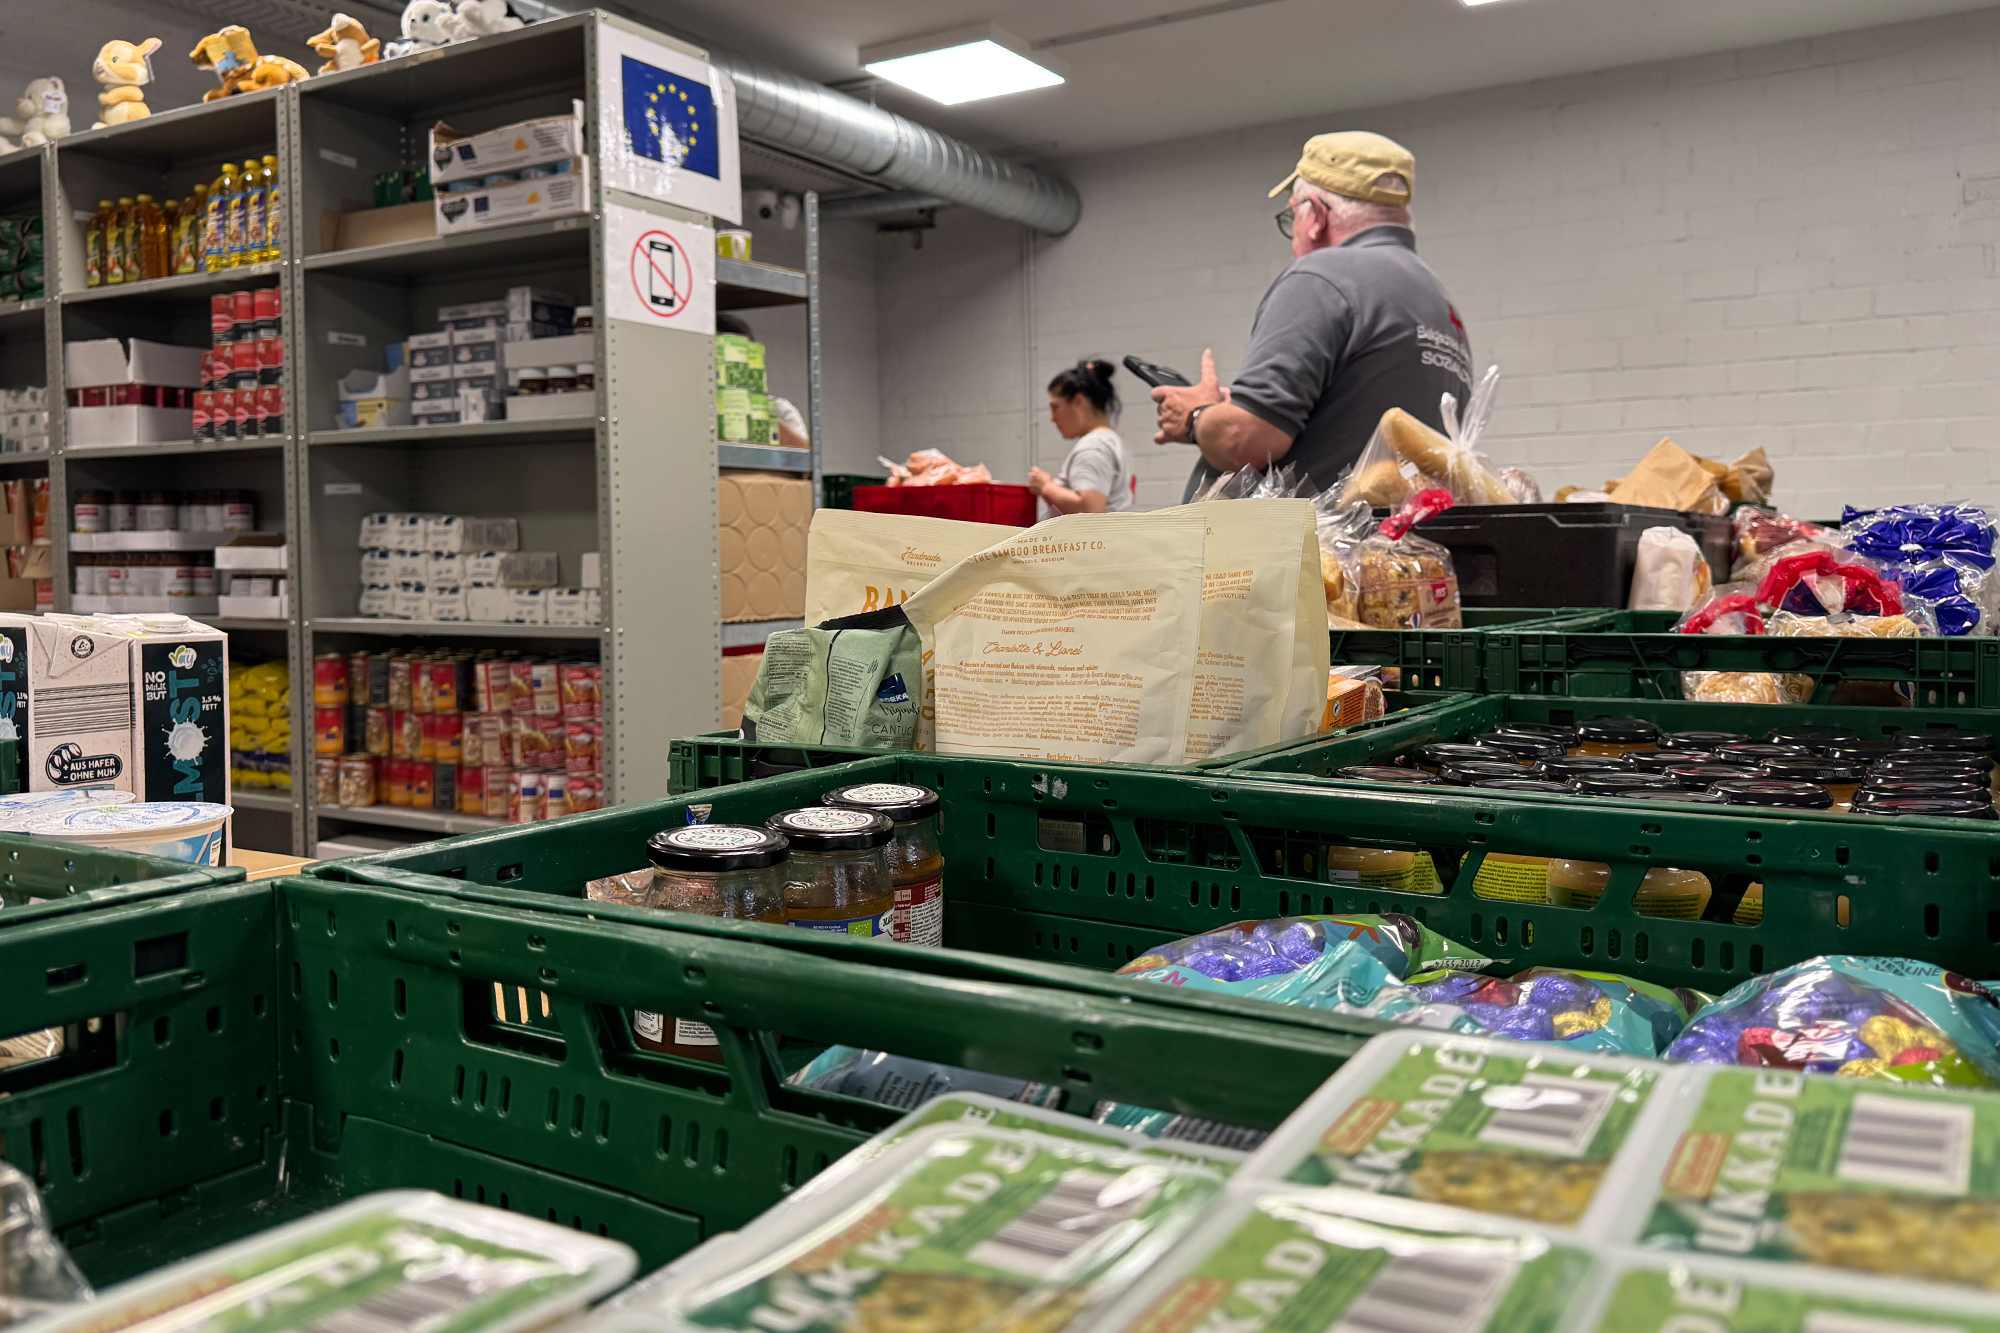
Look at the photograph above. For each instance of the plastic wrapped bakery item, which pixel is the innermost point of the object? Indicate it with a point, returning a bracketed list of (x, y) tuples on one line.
[(1468, 474), (1912, 534), (1890, 1018), (1584, 1011), (1670, 572), (1313, 961), (1403, 581), (36, 1272), (1382, 477), (959, 1227), (1342, 529), (1823, 582), (1727, 608), (1521, 484), (1760, 531), (931, 467), (1962, 597)]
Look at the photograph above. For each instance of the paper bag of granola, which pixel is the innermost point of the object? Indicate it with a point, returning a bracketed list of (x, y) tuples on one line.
[(858, 562), (1260, 673), (1074, 640)]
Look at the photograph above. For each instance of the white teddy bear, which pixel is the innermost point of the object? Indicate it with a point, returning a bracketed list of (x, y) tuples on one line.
[(479, 18), (41, 113), (428, 24)]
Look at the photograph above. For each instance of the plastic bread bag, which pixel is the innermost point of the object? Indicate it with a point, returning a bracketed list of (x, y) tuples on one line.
[(1823, 582), (1342, 529), (1758, 531), (1553, 1136), (1382, 477), (1292, 1260), (1912, 534), (959, 1227), (1961, 597), (1470, 477), (1670, 572), (1521, 484), (1913, 623), (1885, 1018), (1403, 581), (1727, 608), (36, 1272)]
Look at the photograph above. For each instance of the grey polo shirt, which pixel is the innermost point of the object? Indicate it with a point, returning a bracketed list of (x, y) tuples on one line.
[(1341, 337)]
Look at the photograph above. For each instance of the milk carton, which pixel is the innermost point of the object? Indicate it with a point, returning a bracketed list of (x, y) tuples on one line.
[(67, 690)]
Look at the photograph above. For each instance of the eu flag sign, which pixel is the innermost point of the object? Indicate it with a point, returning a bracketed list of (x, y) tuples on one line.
[(671, 119)]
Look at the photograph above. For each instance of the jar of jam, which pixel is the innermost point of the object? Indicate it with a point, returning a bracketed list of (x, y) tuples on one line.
[(1884, 789), (1385, 867), (1526, 749), (1923, 807), (837, 876), (586, 376), (916, 865), (1840, 780), (1661, 761), (1774, 794), (727, 870), (1701, 776), (1530, 786), (1571, 767), (560, 379), (1680, 795), (1542, 731), (1814, 738), (531, 380), (1954, 742), (584, 320), (1760, 754), (1432, 757), (1616, 736), (1666, 891), (90, 512), (1701, 740), (1393, 774), (1465, 772), (1618, 784)]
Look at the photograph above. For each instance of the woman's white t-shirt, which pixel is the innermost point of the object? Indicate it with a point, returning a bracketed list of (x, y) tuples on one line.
[(1096, 462)]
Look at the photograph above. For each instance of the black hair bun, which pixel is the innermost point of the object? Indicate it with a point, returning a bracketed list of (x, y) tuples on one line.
[(1103, 370)]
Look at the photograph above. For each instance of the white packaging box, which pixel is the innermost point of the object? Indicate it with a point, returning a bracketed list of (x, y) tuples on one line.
[(522, 201), (447, 569), (527, 606), (513, 569), (361, 385), (375, 530), (568, 606), (564, 351), (275, 607), (376, 601), (466, 370), (180, 705), (519, 331), (404, 567), (75, 687), (102, 427), (526, 143), (487, 604), (375, 567), (477, 407), (412, 601), (442, 389), (473, 335), (435, 411), (437, 374), (440, 338), (592, 573), (539, 305), (465, 532), (439, 418), (593, 606), (467, 314), (406, 531), (447, 603), (262, 556), (100, 361)]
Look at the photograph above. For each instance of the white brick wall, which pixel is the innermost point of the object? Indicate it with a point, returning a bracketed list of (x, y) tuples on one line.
[(1791, 246)]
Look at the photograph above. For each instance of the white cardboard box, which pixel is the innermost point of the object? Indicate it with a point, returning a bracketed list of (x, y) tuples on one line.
[(75, 687), (180, 704), (565, 351), (255, 608), (522, 201), (100, 361), (97, 427), (551, 406), (526, 143)]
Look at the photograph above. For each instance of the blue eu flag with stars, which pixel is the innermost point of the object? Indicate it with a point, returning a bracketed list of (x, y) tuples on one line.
[(661, 107)]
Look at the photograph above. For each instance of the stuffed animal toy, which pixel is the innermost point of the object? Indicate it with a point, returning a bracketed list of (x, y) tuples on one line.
[(345, 45), (479, 18), (424, 28), (40, 114), (233, 57), (123, 70)]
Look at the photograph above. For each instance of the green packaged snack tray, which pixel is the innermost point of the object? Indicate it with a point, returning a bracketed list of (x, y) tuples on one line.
[(1503, 1128), (1641, 1291), (1309, 1260)]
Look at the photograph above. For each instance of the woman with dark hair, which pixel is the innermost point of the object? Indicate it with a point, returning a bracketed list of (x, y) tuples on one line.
[(1095, 478)]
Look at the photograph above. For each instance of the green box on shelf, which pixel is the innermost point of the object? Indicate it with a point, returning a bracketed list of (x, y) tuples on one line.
[(1636, 655), (263, 1050)]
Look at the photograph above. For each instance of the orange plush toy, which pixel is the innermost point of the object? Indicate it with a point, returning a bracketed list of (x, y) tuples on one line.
[(345, 45), (233, 57)]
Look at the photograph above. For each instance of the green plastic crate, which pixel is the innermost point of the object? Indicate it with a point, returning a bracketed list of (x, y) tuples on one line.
[(265, 1049), (36, 871), (837, 488), (1635, 655)]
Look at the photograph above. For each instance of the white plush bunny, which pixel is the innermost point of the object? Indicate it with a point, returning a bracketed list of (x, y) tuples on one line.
[(41, 113), (480, 18), (427, 24)]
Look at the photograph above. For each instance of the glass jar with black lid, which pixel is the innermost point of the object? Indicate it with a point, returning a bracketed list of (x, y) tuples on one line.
[(1434, 756), (1926, 807), (734, 871), (1840, 780), (1463, 773), (1774, 794), (1616, 736), (837, 877), (1812, 736), (1701, 740), (916, 864)]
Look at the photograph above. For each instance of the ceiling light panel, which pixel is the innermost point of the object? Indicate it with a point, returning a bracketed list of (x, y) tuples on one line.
[(963, 65)]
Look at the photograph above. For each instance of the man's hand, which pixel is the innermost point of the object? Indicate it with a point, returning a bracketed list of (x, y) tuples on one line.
[(1037, 479), (1174, 402)]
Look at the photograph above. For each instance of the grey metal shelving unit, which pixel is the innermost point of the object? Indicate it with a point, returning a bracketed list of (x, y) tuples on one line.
[(632, 477)]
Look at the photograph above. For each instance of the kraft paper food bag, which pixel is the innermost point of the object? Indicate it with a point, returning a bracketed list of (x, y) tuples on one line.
[(858, 562), (1258, 679), (1074, 640)]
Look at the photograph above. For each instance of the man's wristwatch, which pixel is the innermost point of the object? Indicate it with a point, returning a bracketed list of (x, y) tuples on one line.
[(1194, 420)]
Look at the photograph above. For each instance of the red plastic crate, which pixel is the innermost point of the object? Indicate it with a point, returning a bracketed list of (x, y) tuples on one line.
[(1013, 505)]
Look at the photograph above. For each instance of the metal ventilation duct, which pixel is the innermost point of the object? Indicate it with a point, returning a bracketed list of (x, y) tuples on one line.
[(812, 120)]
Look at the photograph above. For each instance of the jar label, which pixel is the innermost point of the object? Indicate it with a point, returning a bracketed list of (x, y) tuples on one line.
[(1512, 882), (648, 1026), (716, 837), (884, 793), (919, 914), (694, 1034), (829, 819), (882, 923)]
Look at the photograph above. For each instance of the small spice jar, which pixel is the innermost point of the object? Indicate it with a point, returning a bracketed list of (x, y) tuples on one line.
[(531, 380), (916, 865), (1840, 780), (733, 871), (560, 379), (837, 877), (1616, 736), (1774, 794), (586, 376)]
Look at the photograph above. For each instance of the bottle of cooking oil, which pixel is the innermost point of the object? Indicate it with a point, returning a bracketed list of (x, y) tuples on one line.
[(145, 241), (116, 237), (274, 217), (215, 225), (253, 212), (163, 237), (189, 250), (93, 244)]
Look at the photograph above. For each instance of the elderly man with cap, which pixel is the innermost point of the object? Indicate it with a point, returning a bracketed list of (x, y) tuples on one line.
[(1354, 326)]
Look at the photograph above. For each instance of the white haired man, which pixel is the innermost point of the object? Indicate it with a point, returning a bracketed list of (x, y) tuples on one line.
[(1354, 326)]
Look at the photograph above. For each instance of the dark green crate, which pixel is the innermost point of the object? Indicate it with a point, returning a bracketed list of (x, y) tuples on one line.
[(34, 871), (266, 1049), (837, 489), (1634, 655)]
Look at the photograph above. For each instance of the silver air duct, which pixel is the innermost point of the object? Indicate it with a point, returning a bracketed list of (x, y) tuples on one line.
[(814, 121), (879, 205)]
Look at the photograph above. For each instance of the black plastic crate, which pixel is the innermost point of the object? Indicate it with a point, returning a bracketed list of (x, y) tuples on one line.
[(1560, 555)]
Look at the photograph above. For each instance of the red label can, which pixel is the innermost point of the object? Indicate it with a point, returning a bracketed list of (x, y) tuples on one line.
[(221, 316), (204, 400), (270, 359), (243, 306), (271, 409), (446, 732), (266, 303), (222, 414), (243, 411), (399, 781)]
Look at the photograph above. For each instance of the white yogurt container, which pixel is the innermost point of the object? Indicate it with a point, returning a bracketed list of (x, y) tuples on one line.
[(193, 831)]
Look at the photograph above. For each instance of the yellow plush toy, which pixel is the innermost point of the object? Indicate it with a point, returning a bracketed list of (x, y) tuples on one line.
[(233, 57), (123, 70), (345, 45)]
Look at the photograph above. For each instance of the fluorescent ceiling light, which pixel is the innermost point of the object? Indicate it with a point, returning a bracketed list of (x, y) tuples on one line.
[(963, 65)]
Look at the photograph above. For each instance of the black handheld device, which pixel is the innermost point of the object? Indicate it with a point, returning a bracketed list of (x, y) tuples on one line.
[(1156, 375)]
